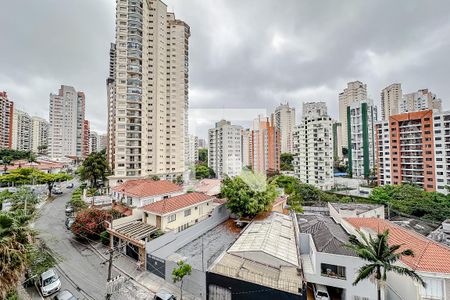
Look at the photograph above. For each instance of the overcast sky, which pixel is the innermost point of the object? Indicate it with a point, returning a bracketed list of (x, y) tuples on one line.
[(243, 54)]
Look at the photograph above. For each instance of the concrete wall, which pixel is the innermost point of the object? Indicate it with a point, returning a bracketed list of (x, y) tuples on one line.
[(139, 202), (137, 215)]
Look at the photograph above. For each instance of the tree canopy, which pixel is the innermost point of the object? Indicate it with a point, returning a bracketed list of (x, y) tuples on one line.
[(413, 200), (286, 162), (90, 223), (203, 171), (94, 168), (203, 155), (182, 270), (245, 199)]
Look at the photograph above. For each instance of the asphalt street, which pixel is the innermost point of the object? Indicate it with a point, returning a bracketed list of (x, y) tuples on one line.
[(81, 270)]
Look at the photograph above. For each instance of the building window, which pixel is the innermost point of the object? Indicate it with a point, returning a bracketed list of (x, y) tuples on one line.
[(187, 212), (333, 271), (171, 218)]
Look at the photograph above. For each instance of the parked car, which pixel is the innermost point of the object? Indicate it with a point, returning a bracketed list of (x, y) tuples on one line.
[(69, 210), (49, 283), (64, 295), (57, 191), (164, 295), (69, 222), (70, 185), (321, 292)]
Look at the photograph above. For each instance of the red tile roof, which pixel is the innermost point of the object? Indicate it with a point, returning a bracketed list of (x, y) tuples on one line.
[(429, 256), (147, 187), (175, 203)]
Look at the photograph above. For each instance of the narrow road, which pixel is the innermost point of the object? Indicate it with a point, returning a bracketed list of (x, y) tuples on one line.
[(81, 270)]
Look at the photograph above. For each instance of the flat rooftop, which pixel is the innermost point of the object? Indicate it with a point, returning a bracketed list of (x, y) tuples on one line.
[(328, 236), (358, 208)]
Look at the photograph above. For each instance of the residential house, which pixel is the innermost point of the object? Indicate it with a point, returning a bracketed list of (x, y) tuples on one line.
[(140, 192)]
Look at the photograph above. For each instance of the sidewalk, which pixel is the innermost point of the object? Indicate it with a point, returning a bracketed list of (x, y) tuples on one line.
[(146, 280)]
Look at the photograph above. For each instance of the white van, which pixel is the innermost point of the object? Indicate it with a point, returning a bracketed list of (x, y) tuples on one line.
[(320, 292)]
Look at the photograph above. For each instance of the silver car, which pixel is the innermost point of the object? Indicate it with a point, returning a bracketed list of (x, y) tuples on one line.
[(65, 295), (49, 282)]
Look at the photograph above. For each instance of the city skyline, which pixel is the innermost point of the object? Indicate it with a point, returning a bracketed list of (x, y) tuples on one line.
[(280, 64)]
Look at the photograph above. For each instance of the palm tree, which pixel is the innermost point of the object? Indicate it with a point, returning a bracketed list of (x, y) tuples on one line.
[(15, 237), (381, 258)]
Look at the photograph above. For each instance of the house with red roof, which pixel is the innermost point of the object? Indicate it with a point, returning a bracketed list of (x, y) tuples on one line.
[(140, 192), (431, 260), (179, 212)]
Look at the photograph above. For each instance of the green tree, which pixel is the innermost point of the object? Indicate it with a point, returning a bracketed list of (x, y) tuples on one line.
[(201, 171), (203, 155), (51, 179), (155, 178), (179, 273), (94, 168), (286, 162), (245, 199), (178, 180), (6, 161), (381, 259), (42, 150)]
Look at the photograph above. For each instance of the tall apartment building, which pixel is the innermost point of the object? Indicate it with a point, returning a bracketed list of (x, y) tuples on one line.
[(265, 148), (192, 150), (313, 146), (224, 149), (246, 147), (355, 91), (202, 143), (111, 107), (85, 139), (102, 142), (414, 148), (66, 119), (6, 120), (421, 100), (361, 118), (337, 140), (21, 131), (39, 131), (148, 104), (391, 97), (94, 141), (284, 117)]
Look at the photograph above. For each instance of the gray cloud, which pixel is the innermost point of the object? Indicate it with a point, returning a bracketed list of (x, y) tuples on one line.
[(243, 54)]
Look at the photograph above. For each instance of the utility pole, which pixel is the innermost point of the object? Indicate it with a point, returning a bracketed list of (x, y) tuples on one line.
[(110, 264)]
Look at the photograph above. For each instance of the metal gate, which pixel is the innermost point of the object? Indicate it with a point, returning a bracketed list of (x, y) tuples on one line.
[(156, 266)]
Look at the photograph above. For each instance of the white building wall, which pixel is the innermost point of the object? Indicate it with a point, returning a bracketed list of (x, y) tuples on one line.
[(21, 131), (441, 127), (285, 122), (40, 133)]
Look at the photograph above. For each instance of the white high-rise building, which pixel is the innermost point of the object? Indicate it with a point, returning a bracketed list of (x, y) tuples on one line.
[(285, 122), (40, 134), (192, 150), (391, 97), (313, 146), (21, 131), (224, 149), (355, 91), (66, 118), (148, 92), (362, 116), (94, 142), (420, 100), (246, 146)]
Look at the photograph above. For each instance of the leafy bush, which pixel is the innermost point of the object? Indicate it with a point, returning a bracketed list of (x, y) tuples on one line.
[(90, 223), (104, 237)]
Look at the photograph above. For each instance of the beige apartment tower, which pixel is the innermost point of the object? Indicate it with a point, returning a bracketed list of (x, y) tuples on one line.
[(21, 131), (391, 97), (355, 91), (40, 135), (148, 92), (285, 122)]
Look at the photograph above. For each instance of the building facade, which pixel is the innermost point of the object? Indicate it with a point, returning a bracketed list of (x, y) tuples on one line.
[(66, 123), (355, 91), (6, 120), (265, 148), (39, 140), (337, 141), (414, 148), (21, 131), (111, 107), (192, 150), (391, 97), (148, 93), (423, 99), (94, 141), (313, 146), (284, 117), (361, 118), (224, 149)]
